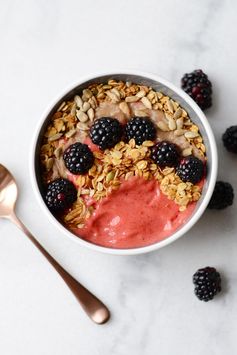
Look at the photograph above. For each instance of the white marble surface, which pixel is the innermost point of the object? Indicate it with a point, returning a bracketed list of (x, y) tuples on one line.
[(46, 45)]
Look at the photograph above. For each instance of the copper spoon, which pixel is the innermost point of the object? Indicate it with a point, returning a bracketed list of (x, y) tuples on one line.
[(94, 308)]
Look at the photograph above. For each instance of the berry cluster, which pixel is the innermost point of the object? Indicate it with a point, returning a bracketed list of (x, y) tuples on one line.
[(189, 169)]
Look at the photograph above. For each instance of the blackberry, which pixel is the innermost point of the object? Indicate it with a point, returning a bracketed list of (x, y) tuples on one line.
[(190, 169), (230, 139), (165, 154), (197, 85), (60, 194), (141, 129), (207, 283), (222, 197), (78, 158), (106, 132)]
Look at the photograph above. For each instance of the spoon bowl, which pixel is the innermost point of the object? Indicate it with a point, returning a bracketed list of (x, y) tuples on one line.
[(94, 308), (8, 192)]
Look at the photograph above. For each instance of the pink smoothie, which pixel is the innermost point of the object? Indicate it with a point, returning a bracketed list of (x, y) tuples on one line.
[(135, 215)]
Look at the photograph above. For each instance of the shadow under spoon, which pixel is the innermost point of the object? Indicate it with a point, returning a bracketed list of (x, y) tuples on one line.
[(94, 308)]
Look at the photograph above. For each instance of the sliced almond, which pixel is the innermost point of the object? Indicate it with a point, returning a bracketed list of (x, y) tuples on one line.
[(78, 101), (100, 186), (163, 126), (82, 126), (141, 94), (58, 152), (140, 113), (61, 106), (151, 94), (179, 132), (85, 107), (131, 99), (55, 137), (159, 95), (70, 133), (170, 106), (186, 152), (82, 116), (124, 108), (49, 163), (180, 123), (148, 144), (92, 101), (86, 94), (191, 135), (91, 114), (142, 164), (177, 113), (110, 176), (171, 124), (146, 102), (116, 92), (114, 98)]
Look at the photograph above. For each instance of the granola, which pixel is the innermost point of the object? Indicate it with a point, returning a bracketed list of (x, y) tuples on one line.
[(72, 121)]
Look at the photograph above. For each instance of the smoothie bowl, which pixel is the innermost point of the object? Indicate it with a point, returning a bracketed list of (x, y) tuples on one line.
[(124, 163)]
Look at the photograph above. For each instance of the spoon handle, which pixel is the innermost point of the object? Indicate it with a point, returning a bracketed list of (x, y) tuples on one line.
[(94, 308)]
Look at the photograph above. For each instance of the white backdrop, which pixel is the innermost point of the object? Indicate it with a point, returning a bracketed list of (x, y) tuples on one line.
[(45, 46)]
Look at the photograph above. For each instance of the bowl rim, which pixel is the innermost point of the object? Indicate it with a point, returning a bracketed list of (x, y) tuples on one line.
[(187, 226)]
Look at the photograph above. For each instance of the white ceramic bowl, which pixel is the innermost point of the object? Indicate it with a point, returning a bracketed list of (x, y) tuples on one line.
[(158, 84)]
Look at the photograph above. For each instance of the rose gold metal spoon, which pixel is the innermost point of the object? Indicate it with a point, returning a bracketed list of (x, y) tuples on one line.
[(94, 308)]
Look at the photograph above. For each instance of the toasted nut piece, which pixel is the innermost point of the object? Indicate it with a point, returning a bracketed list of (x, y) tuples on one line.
[(177, 113), (141, 94), (55, 137), (78, 101), (82, 116), (202, 147), (91, 114), (159, 95), (191, 135), (59, 124), (58, 152), (140, 113), (148, 144), (116, 92), (85, 107), (142, 164), (131, 98), (184, 113), (151, 95), (86, 94), (163, 126), (194, 128), (170, 106), (114, 98), (129, 175), (70, 133), (92, 101), (82, 126), (61, 106), (171, 124), (179, 132), (124, 108), (110, 176), (180, 123), (49, 163), (146, 102), (186, 152), (156, 106)]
